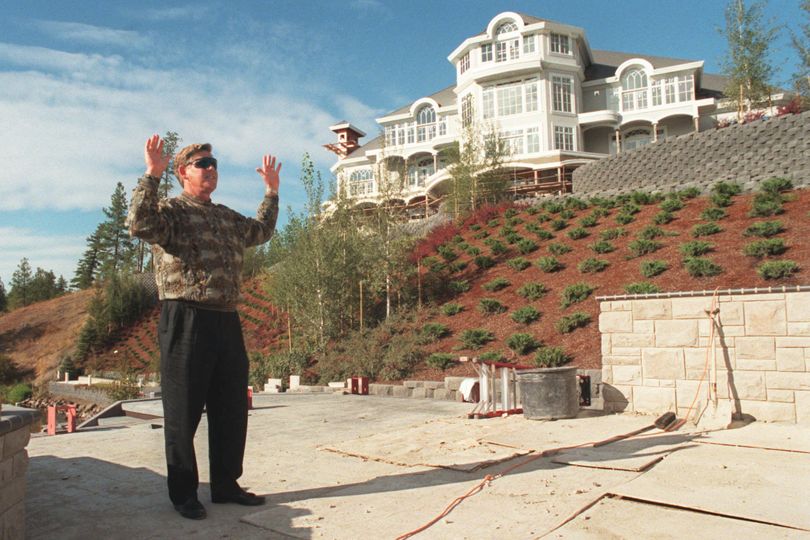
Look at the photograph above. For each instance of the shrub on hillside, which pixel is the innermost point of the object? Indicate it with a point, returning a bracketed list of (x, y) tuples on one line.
[(558, 248), (577, 233), (473, 251), (550, 357), (767, 247), (491, 356), (765, 229), (490, 306), (612, 234), (766, 205), (457, 266), (653, 268), (695, 248), (447, 253), (558, 224), (689, 193), (701, 267), (576, 203), (720, 200), (496, 284), (476, 338), (777, 269), (526, 246), (571, 322), (518, 264), (553, 207), (623, 218), (642, 198), (18, 392), (549, 264), (522, 343), (589, 221), (532, 291), (641, 287), (671, 204), (729, 189), (775, 186), (433, 332), (592, 265), (602, 246), (525, 315), (576, 293), (663, 217), (484, 261), (440, 361), (451, 309), (706, 229), (641, 247), (651, 232), (713, 213), (497, 248)]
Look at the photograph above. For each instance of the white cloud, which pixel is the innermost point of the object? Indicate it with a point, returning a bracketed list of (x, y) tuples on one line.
[(49, 252), (94, 35), (81, 127)]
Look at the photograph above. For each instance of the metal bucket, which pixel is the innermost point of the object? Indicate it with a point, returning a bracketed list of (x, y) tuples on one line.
[(549, 393)]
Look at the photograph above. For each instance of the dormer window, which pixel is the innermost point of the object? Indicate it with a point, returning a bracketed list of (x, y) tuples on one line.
[(464, 63), (560, 44), (486, 52), (634, 89), (425, 124), (506, 27)]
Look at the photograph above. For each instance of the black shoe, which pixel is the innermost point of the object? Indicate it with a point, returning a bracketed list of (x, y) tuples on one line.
[(191, 509), (245, 498)]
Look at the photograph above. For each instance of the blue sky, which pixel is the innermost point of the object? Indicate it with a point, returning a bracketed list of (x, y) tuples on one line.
[(83, 84)]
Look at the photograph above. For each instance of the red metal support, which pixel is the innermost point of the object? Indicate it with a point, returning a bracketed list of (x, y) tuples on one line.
[(250, 397), (70, 412)]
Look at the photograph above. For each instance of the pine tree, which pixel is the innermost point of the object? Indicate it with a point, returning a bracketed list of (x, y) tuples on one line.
[(43, 286), (88, 267), (118, 251), (746, 63), (61, 285), (20, 294)]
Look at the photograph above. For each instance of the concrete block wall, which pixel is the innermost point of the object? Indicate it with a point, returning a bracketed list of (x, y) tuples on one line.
[(655, 352), (748, 154), (15, 432)]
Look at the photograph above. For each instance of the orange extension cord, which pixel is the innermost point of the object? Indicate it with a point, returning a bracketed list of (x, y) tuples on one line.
[(490, 478)]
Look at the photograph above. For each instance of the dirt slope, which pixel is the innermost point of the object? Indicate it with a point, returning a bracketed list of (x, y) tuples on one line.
[(35, 336)]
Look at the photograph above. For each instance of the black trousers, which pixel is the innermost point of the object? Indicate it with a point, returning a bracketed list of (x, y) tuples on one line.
[(203, 363)]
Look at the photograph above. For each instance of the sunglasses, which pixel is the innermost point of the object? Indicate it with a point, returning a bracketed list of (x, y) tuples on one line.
[(204, 163)]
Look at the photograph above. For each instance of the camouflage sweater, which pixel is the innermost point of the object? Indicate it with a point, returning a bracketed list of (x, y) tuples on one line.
[(197, 246)]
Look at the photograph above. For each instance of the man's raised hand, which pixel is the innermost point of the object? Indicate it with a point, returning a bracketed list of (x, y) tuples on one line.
[(156, 162), (269, 172)]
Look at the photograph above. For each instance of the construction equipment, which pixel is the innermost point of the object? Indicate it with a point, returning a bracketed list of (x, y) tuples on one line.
[(488, 405), (663, 422)]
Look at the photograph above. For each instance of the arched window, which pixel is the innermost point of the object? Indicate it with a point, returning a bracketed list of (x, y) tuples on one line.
[(634, 89), (508, 26), (425, 124), (419, 171), (361, 182)]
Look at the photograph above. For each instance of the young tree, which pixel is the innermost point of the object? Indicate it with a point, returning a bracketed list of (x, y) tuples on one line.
[(476, 169), (746, 63), (43, 286), (170, 143), (3, 297), (20, 293), (801, 43)]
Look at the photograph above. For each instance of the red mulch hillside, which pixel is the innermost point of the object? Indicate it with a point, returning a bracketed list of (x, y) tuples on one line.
[(584, 344)]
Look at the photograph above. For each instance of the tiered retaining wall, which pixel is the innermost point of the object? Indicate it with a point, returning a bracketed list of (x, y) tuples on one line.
[(747, 154), (654, 352), (15, 432)]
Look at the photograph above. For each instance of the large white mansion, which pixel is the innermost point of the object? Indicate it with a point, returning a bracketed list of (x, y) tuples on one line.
[(558, 103)]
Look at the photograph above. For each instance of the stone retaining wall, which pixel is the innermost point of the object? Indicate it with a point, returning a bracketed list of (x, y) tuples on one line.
[(15, 432), (747, 154), (71, 391), (654, 353)]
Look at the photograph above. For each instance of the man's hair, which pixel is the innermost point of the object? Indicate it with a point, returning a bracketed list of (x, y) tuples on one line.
[(182, 157)]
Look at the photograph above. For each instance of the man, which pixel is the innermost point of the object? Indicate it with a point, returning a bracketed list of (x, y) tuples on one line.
[(198, 248)]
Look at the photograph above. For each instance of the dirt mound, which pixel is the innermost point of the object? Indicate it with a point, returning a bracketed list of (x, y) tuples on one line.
[(35, 336)]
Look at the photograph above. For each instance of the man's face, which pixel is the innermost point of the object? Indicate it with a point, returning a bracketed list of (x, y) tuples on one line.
[(197, 181)]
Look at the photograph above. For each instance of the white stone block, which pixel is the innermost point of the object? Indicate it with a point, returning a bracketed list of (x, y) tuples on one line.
[(747, 364), (732, 313), (802, 403), (653, 400), (788, 381), (790, 359), (273, 386), (690, 308), (798, 328), (676, 333), (337, 385), (643, 327), (766, 411), (793, 341), (663, 363), (749, 385), (765, 319), (295, 381), (761, 348), (782, 396), (626, 375), (652, 309), (632, 340), (614, 360), (606, 343), (620, 305), (798, 306), (607, 374), (616, 321)]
